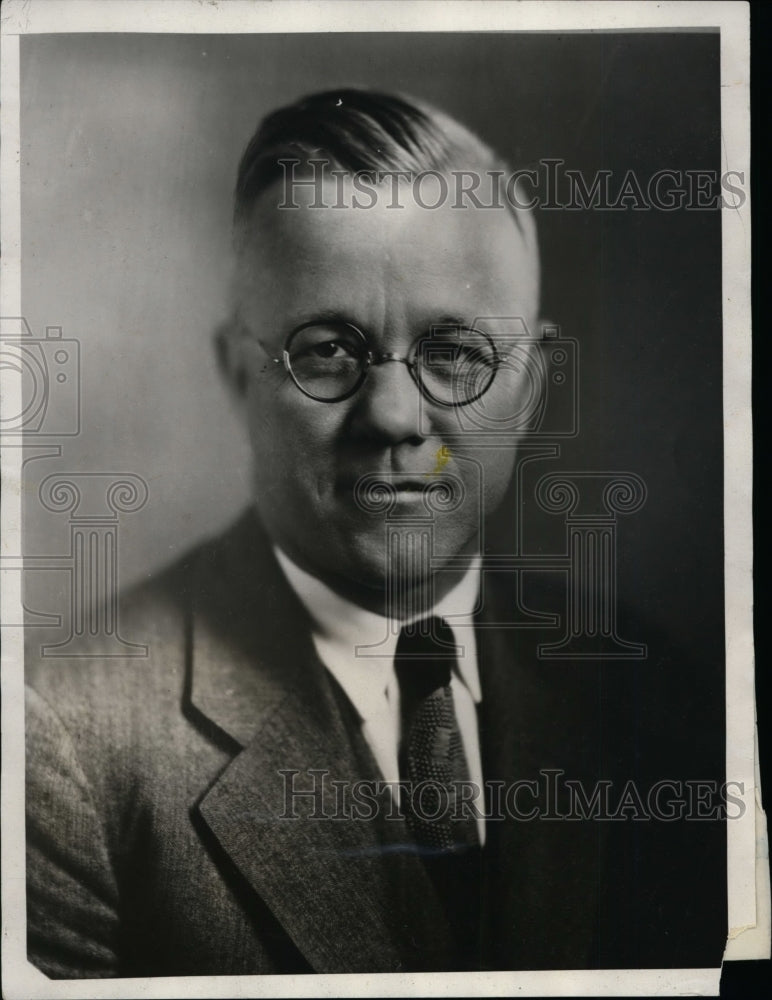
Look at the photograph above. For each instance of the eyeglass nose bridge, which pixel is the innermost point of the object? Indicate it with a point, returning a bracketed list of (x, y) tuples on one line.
[(373, 360), (382, 359)]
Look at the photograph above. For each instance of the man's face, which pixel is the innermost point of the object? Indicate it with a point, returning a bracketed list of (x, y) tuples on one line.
[(394, 274)]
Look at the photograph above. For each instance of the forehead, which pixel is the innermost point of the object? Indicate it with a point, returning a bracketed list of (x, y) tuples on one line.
[(382, 263)]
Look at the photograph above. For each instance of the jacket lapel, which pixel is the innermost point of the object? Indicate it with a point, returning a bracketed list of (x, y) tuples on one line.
[(344, 891)]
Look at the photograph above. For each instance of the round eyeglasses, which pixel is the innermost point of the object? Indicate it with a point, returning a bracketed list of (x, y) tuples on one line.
[(329, 362)]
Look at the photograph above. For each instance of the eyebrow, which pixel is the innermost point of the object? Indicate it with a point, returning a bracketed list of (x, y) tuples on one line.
[(321, 316), (452, 321), (339, 316)]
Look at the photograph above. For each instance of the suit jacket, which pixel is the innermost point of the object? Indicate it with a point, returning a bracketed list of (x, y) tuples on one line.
[(160, 836)]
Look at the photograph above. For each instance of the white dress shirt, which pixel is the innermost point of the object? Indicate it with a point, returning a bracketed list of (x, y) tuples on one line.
[(358, 648)]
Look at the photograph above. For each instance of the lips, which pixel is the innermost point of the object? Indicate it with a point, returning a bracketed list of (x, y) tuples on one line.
[(376, 493), (389, 482), (409, 485)]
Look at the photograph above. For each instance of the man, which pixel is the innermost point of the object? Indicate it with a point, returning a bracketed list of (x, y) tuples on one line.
[(231, 804)]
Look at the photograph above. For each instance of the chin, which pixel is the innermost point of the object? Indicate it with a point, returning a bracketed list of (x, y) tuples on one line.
[(411, 561), (364, 571), (363, 562)]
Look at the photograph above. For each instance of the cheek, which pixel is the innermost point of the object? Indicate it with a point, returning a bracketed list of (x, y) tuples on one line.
[(498, 475), (514, 392), (486, 466), (290, 439), (269, 435)]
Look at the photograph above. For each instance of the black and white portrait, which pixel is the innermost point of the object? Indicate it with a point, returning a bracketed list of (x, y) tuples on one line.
[(371, 447)]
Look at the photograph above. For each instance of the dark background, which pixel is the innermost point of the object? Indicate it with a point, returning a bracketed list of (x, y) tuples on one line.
[(129, 149)]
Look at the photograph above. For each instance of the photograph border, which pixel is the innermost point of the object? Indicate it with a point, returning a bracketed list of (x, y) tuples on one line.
[(20, 979)]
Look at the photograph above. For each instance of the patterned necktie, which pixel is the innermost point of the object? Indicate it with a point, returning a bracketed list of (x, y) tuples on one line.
[(432, 763), (432, 760)]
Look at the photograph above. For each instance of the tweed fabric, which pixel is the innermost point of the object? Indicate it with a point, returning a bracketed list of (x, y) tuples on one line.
[(162, 840)]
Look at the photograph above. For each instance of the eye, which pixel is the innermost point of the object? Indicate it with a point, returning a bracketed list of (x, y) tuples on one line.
[(327, 342), (331, 349)]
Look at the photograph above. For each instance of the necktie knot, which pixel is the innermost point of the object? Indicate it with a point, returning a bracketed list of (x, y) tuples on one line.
[(426, 652)]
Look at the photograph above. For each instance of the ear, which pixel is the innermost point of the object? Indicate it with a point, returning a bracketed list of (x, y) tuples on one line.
[(229, 348)]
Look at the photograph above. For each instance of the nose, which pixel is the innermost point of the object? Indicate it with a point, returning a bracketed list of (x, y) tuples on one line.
[(388, 405)]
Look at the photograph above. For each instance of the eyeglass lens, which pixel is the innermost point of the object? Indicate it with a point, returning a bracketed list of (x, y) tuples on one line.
[(329, 361)]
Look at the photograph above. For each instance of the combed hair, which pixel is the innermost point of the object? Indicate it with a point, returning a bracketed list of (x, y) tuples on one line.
[(358, 131), (362, 131)]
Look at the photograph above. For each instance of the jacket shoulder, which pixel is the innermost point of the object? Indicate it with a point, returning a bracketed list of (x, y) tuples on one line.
[(144, 651)]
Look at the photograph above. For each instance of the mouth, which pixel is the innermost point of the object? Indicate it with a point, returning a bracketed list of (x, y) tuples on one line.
[(408, 492), (374, 492), (408, 485), (385, 483)]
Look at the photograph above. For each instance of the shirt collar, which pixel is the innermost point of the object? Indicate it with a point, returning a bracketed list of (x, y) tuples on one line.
[(358, 646)]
